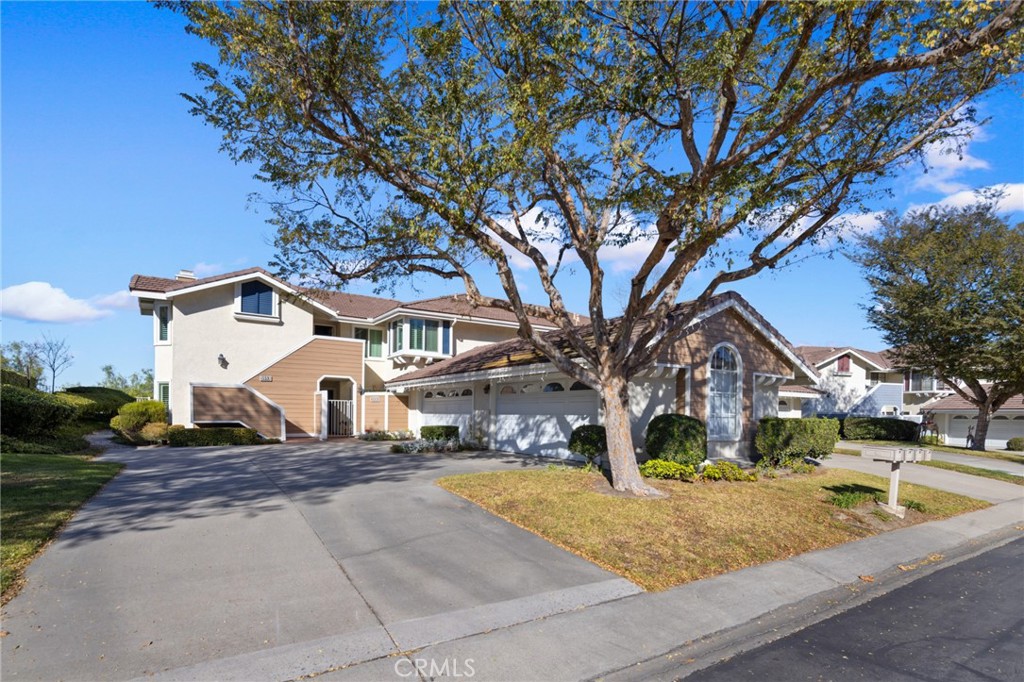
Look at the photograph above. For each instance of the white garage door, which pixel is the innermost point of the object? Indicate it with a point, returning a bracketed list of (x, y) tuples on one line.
[(540, 423), (1001, 428), (449, 412)]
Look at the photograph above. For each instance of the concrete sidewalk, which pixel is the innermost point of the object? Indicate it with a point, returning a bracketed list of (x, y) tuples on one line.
[(633, 637), (1014, 468)]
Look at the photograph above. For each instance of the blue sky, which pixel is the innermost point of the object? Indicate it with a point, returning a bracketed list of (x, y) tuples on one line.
[(105, 174)]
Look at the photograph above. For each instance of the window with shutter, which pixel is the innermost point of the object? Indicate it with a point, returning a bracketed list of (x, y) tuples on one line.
[(164, 394), (257, 299), (843, 364), (164, 317)]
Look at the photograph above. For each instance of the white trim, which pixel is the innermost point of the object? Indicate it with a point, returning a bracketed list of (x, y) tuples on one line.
[(453, 317), (853, 351), (478, 375), (191, 406), (302, 345), (739, 392), (274, 284), (355, 394)]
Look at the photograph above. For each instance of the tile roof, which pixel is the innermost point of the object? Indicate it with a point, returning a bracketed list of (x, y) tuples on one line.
[(815, 355), (954, 403), (802, 390), (344, 303), (519, 352)]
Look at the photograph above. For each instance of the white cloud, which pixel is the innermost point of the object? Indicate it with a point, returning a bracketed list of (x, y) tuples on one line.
[(119, 299), (1012, 199), (42, 302), (203, 269), (946, 163)]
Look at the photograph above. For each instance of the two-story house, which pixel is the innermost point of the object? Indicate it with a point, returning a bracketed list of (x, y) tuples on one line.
[(866, 383), (248, 348)]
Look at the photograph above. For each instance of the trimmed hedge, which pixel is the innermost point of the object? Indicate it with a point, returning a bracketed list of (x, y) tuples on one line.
[(28, 413), (1015, 443), (14, 378), (589, 441), (95, 402), (779, 441), (439, 432), (879, 428), (677, 438), (190, 438), (133, 416)]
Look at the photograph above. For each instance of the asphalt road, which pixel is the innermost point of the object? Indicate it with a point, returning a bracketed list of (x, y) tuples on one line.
[(964, 622)]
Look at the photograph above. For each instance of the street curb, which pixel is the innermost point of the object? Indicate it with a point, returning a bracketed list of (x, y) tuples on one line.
[(719, 646)]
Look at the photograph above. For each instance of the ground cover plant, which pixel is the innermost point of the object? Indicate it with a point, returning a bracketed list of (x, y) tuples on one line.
[(698, 530), (40, 494)]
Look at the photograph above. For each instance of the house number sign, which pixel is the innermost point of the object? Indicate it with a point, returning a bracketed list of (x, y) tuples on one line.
[(265, 378)]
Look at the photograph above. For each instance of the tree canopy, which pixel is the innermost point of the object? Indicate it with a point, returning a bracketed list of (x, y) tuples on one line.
[(948, 295), (409, 141)]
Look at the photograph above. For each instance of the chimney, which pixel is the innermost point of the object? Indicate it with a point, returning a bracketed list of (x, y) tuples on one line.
[(185, 275)]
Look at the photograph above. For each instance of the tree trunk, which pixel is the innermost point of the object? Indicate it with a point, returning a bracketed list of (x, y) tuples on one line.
[(621, 456), (981, 430)]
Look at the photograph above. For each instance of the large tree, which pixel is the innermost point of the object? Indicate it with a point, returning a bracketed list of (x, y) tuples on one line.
[(947, 289), (402, 140)]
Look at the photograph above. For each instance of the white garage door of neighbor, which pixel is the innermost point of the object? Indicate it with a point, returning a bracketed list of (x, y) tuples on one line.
[(449, 412), (541, 423), (1001, 428)]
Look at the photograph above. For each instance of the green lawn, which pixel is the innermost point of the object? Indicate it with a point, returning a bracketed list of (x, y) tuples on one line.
[(975, 471), (699, 529), (40, 494), (989, 454)]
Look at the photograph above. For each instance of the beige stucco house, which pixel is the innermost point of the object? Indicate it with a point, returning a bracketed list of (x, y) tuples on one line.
[(246, 347)]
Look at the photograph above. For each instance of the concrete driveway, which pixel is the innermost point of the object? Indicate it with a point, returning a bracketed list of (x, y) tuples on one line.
[(279, 561)]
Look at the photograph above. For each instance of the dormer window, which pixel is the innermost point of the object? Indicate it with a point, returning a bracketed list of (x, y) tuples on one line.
[(257, 299), (843, 364)]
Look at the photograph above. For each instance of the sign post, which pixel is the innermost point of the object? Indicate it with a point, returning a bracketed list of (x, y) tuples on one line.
[(895, 456)]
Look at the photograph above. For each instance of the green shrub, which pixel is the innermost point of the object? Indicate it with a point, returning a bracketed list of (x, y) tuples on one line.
[(928, 440), (154, 432), (11, 444), (725, 471), (96, 402), (1015, 443), (663, 468), (386, 435), (439, 432), (588, 441), (133, 416), (190, 438), (9, 376), (28, 413), (677, 438), (780, 441), (879, 428)]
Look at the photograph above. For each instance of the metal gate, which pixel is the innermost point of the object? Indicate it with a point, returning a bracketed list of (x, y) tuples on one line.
[(339, 417)]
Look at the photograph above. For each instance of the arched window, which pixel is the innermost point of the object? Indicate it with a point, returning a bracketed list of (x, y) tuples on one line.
[(467, 391), (428, 394), (783, 406), (724, 395), (507, 390), (553, 387), (1000, 417), (580, 386), (528, 388), (959, 416)]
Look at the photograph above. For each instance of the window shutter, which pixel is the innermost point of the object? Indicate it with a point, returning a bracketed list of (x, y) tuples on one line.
[(165, 322), (430, 344), (257, 298), (446, 339)]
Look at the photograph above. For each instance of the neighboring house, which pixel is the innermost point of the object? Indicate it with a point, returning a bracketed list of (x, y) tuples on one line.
[(246, 347), (956, 418), (725, 370), (866, 383)]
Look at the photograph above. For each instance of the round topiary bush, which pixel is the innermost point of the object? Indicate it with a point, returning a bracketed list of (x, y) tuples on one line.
[(1015, 443), (588, 441), (677, 438), (133, 416)]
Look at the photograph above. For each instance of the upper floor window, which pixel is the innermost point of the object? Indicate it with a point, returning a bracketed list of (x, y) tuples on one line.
[(843, 364), (374, 339), (427, 336), (257, 299), (724, 395), (163, 317), (323, 330)]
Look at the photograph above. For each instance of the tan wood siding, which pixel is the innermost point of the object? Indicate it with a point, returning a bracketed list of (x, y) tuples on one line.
[(398, 412), (756, 353), (294, 379), (235, 404), (374, 414)]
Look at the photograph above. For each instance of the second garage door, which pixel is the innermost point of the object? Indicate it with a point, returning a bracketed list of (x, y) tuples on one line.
[(536, 421)]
